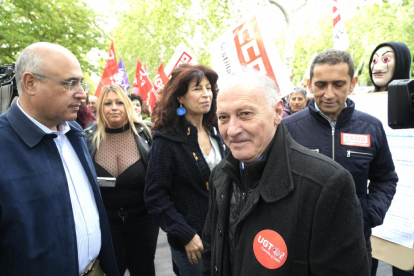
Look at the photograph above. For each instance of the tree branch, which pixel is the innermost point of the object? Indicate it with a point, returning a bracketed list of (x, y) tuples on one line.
[(304, 3), (282, 9)]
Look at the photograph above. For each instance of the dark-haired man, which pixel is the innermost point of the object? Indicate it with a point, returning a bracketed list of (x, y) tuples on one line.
[(296, 101), (332, 126)]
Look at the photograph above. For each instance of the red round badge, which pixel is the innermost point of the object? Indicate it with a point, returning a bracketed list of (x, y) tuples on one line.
[(270, 249)]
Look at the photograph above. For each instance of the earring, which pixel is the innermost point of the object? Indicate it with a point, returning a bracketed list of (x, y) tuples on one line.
[(181, 110)]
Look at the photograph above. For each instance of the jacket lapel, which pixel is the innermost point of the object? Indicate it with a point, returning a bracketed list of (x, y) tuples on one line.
[(277, 182)]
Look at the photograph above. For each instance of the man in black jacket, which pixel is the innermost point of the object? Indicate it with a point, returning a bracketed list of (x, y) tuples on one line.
[(331, 126), (276, 208)]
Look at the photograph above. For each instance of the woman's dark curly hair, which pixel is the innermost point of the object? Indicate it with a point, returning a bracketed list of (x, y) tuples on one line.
[(165, 115), (135, 97)]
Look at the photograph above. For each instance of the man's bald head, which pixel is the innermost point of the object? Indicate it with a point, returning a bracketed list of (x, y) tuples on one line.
[(49, 81), (37, 57)]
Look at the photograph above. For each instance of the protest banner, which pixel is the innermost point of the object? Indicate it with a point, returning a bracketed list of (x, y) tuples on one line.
[(247, 44), (181, 55)]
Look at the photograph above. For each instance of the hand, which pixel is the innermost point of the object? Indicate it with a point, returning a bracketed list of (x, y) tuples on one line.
[(99, 182), (193, 249)]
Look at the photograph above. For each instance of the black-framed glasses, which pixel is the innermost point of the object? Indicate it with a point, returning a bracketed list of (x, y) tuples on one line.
[(74, 85)]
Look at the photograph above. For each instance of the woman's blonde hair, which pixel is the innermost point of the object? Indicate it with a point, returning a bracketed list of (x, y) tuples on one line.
[(101, 121)]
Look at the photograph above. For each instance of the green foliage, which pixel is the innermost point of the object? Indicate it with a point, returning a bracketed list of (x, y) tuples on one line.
[(371, 25), (151, 29), (316, 39), (69, 23)]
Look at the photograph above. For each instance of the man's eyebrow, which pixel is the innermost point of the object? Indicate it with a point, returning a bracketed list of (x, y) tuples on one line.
[(74, 79)]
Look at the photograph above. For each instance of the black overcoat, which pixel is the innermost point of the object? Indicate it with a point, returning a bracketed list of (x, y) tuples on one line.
[(306, 198)]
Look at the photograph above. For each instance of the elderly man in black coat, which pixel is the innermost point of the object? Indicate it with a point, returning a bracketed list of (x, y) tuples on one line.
[(276, 208)]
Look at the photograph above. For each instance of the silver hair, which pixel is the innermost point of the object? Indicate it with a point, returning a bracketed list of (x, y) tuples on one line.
[(297, 90), (28, 61), (250, 78)]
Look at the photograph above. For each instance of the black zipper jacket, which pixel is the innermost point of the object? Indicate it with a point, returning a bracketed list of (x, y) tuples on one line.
[(371, 163)]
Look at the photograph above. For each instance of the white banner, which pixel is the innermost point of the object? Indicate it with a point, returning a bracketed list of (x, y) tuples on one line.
[(182, 55), (340, 37), (248, 45), (398, 226)]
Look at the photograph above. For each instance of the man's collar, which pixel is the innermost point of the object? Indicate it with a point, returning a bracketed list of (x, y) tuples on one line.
[(333, 122), (25, 128), (62, 127)]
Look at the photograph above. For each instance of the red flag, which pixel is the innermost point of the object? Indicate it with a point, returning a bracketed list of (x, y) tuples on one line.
[(109, 72), (152, 99), (136, 87), (160, 80), (146, 85)]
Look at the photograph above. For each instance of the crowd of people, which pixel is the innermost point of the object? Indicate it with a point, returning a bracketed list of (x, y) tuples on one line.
[(242, 181)]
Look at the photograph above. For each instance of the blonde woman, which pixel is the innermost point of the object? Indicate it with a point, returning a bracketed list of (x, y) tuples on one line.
[(119, 145)]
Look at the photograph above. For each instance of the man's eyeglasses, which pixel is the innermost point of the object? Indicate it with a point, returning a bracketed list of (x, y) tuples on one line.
[(74, 85)]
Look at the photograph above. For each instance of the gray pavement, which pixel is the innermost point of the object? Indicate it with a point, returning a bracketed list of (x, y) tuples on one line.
[(163, 265)]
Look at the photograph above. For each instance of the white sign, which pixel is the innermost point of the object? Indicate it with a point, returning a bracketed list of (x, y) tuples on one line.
[(247, 44), (398, 225), (182, 55)]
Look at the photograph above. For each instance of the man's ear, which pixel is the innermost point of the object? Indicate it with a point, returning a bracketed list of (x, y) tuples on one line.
[(308, 85), (279, 112), (353, 84), (29, 83)]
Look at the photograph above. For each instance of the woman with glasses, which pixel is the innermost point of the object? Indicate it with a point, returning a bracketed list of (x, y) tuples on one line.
[(119, 145), (186, 147)]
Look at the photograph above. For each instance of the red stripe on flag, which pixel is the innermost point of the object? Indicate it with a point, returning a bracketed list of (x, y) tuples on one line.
[(336, 20), (251, 50), (184, 58)]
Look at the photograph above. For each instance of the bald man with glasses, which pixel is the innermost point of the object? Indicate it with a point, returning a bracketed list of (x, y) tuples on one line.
[(52, 218)]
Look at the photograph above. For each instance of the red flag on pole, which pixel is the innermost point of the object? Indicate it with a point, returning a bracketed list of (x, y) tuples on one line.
[(146, 85), (136, 87), (160, 80), (109, 72)]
